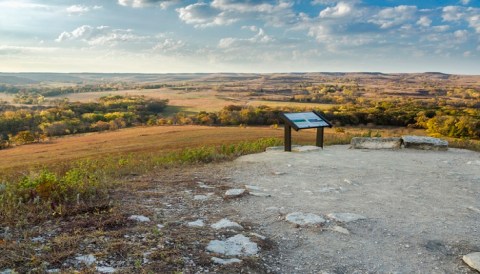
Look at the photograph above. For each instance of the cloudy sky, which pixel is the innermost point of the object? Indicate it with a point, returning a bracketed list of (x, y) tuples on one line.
[(240, 36)]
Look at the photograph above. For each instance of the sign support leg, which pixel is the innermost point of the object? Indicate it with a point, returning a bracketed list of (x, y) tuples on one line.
[(319, 142), (288, 138)]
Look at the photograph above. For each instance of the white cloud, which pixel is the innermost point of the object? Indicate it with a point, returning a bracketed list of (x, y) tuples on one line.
[(424, 21), (461, 35), (340, 10), (226, 12), (99, 36), (474, 20), (80, 9), (20, 4), (394, 16), (8, 50), (333, 2), (465, 2), (203, 15), (457, 13), (169, 45), (441, 28), (452, 13), (260, 38), (145, 3)]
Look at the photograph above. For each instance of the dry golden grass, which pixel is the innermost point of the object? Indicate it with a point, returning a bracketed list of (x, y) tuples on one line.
[(289, 104), (160, 139), (195, 101), (132, 140)]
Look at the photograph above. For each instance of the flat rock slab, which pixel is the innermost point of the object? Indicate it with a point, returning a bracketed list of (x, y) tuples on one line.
[(473, 260), (234, 192), (197, 223), (105, 269), (304, 219), (346, 217), (139, 218), (226, 223), (237, 245), (225, 261), (424, 143), (376, 143), (86, 259)]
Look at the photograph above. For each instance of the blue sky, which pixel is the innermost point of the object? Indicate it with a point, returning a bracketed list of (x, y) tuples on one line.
[(239, 36)]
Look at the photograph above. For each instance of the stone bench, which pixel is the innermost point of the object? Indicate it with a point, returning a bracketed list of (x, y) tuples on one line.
[(376, 143), (408, 141), (424, 143)]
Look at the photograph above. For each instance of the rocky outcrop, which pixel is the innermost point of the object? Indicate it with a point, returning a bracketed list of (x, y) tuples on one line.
[(424, 143), (408, 141), (376, 143)]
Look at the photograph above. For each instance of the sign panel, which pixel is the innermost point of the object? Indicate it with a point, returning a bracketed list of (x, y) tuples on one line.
[(304, 120)]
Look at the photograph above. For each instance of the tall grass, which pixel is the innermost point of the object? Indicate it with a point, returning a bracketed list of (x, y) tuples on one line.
[(85, 185)]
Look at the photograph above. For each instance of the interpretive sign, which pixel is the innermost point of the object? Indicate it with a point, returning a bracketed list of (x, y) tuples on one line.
[(303, 120)]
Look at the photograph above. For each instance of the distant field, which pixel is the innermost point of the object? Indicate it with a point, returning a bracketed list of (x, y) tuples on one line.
[(290, 104), (6, 97), (143, 140), (194, 101)]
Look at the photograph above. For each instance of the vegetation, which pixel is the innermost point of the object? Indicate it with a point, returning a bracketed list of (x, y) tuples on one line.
[(86, 184), (26, 125)]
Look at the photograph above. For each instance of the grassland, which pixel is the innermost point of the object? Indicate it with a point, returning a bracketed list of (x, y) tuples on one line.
[(163, 139)]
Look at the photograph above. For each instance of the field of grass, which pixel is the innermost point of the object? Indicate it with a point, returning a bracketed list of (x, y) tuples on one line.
[(191, 101), (290, 104), (159, 140), (179, 100)]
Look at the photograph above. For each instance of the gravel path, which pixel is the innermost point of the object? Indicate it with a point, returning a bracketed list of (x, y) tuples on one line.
[(421, 208)]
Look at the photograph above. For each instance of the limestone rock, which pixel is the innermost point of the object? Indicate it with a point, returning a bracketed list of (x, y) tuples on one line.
[(473, 260), (237, 245), (105, 269), (139, 218), (200, 197), (425, 143), (304, 219), (197, 223), (346, 217), (376, 143), (226, 223), (86, 259), (234, 192), (225, 261)]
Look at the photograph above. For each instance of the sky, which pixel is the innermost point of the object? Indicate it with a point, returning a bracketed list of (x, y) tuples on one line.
[(177, 36)]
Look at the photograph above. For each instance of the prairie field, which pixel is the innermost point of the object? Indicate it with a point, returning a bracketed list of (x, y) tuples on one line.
[(159, 139)]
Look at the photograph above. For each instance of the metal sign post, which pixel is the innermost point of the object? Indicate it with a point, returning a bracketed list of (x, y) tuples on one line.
[(304, 120)]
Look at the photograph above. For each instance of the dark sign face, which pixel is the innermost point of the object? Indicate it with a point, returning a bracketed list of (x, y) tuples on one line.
[(306, 120)]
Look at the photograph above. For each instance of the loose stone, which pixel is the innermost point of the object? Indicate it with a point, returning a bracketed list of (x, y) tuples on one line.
[(139, 218), (226, 223), (473, 260), (237, 245), (304, 219), (235, 192)]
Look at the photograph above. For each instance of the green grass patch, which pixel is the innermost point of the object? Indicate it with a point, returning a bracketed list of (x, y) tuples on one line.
[(86, 185)]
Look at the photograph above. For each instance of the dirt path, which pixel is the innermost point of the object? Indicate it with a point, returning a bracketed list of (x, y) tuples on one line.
[(421, 209)]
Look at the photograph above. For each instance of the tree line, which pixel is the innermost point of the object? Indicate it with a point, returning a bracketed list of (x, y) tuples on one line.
[(24, 125)]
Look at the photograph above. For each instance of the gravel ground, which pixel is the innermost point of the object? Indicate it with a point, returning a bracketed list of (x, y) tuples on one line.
[(422, 209)]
